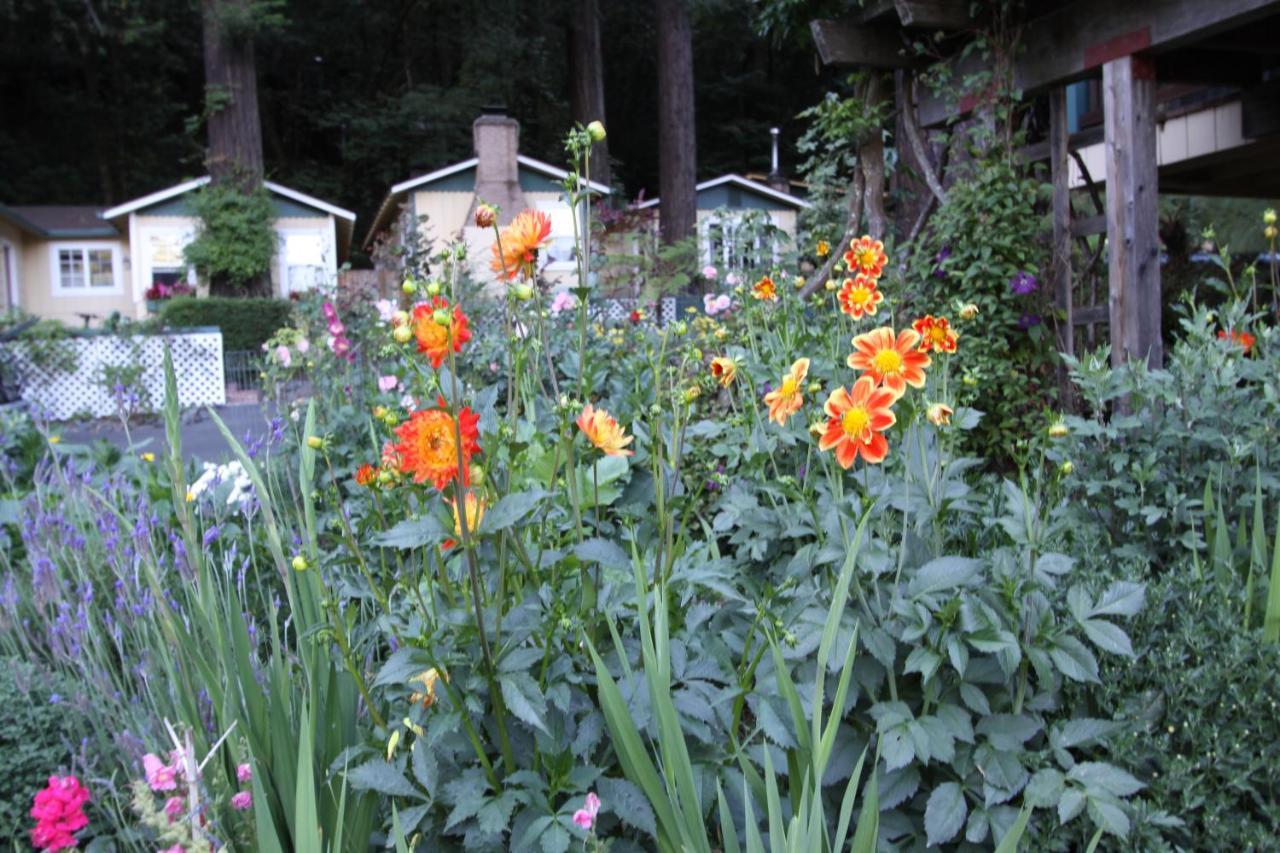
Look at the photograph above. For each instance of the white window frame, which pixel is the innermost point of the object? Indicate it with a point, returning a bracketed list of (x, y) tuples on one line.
[(55, 269), (326, 266), (729, 221), (13, 288)]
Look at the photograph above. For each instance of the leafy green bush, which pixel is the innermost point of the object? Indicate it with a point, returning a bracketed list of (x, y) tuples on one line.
[(37, 738), (1206, 733), (1210, 415), (246, 323), (236, 241)]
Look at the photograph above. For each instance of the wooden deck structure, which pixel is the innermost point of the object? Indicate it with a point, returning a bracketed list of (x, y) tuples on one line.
[(1228, 48)]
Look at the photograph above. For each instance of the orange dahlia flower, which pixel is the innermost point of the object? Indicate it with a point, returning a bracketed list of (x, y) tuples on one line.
[(1244, 340), (935, 334), (434, 338), (867, 256), (858, 419), (475, 513), (366, 475), (765, 289), (859, 295), (520, 242), (602, 430), (724, 369), (785, 400), (428, 446), (895, 362)]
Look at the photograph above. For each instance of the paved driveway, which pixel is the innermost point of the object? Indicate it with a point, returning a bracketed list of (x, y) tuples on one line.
[(201, 439)]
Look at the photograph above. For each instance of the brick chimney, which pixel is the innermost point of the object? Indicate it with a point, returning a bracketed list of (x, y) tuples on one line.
[(497, 143)]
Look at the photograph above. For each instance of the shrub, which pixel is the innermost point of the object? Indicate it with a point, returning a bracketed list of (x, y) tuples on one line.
[(37, 736), (1206, 735), (246, 323), (236, 242)]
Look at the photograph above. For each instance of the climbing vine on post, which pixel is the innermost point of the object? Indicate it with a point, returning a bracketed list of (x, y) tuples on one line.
[(236, 242)]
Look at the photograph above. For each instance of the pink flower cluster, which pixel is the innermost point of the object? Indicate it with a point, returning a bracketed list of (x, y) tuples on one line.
[(59, 813), (585, 817), (285, 356), (714, 305), (563, 301), (339, 343)]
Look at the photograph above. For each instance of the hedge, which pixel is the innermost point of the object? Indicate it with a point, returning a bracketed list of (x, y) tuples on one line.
[(246, 323)]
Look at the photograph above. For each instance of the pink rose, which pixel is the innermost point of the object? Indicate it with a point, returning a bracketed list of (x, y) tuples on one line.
[(387, 383), (244, 773), (283, 355), (242, 801), (585, 817), (303, 345), (386, 309), (563, 301), (160, 776), (709, 272)]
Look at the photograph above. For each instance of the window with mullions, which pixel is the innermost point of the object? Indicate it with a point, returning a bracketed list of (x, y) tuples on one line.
[(739, 239), (85, 269)]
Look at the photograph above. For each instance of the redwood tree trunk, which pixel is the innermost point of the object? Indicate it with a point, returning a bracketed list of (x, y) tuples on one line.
[(677, 142), (231, 100), (587, 93)]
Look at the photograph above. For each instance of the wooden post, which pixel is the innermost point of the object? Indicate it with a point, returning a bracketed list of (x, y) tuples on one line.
[(1060, 265), (1133, 241)]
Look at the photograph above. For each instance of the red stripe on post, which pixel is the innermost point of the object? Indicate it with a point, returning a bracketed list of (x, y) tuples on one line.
[(1125, 45)]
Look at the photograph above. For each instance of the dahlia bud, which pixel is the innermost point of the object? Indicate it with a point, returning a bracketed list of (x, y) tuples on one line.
[(1269, 217), (1066, 468), (815, 387), (1058, 429), (939, 414), (299, 563), (441, 317), (315, 442), (400, 318), (379, 412), (1269, 232), (385, 477), (830, 284), (477, 473), (402, 334), (485, 216), (433, 288), (390, 419), (409, 286), (817, 428), (969, 311), (523, 292), (693, 392), (596, 131)]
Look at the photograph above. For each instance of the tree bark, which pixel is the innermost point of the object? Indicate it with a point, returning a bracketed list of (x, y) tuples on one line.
[(231, 100), (677, 141), (586, 95), (871, 157)]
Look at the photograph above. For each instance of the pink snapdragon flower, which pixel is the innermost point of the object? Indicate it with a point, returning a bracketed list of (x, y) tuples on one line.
[(585, 817), (242, 801), (174, 807), (243, 772), (160, 776), (59, 813)]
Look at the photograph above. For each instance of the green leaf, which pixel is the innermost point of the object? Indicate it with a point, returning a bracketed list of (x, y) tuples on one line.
[(1122, 598), (1074, 660), (403, 664), (603, 551), (942, 574), (628, 802), (1045, 788), (1097, 775), (1070, 804), (945, 813), (524, 699), (1009, 843), (1108, 637), (556, 839), (381, 776), (1109, 815), (425, 767), (412, 533), (510, 510)]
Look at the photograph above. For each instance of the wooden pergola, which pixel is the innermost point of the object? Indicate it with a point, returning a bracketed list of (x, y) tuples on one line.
[(1134, 45)]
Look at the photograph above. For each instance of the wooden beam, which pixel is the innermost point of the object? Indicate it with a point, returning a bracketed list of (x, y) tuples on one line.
[(1091, 315), (866, 45), (1060, 262), (1133, 240), (1089, 226), (934, 14), (1075, 39)]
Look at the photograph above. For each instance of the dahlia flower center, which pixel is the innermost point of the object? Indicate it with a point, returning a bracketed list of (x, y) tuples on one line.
[(859, 296), (855, 421), (789, 386), (887, 361), (866, 258)]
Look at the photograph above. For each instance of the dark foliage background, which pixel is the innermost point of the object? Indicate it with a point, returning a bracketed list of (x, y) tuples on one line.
[(101, 98)]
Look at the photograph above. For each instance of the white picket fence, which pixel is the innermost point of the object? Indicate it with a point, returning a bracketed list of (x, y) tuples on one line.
[(40, 371)]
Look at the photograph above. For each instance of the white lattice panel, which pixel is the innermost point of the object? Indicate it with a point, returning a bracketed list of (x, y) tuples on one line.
[(614, 311), (87, 390)]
